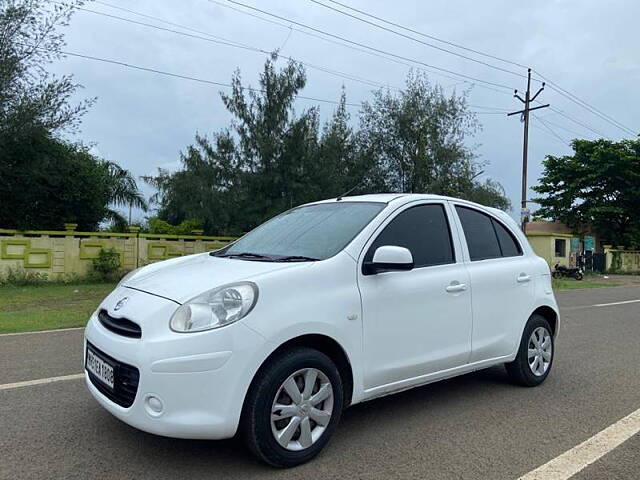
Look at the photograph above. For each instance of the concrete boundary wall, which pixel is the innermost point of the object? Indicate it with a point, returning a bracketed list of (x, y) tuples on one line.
[(622, 260), (70, 253)]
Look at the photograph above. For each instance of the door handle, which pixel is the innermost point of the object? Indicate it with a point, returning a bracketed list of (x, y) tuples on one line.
[(456, 287), (523, 277)]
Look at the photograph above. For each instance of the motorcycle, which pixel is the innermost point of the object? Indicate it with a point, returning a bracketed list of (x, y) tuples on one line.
[(571, 272)]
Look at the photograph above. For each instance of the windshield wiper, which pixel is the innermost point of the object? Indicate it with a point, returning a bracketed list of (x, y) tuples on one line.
[(243, 255), (296, 258), (259, 256)]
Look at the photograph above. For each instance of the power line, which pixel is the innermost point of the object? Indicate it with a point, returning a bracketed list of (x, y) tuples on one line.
[(543, 130), (194, 79), (557, 125), (368, 47), (557, 88), (317, 2), (213, 82), (432, 37), (578, 122), (227, 42), (588, 107), (232, 43), (152, 17), (352, 47), (566, 142)]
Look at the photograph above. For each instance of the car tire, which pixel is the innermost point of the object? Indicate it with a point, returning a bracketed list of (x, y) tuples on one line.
[(295, 368), (535, 357)]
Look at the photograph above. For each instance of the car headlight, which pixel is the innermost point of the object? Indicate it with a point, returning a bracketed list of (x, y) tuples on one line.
[(128, 276), (215, 308)]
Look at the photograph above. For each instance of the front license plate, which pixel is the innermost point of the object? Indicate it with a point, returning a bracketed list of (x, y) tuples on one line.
[(99, 368)]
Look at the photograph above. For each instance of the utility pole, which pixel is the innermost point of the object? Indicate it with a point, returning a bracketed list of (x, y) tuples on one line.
[(524, 216)]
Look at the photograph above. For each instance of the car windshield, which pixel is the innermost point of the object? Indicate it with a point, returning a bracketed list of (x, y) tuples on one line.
[(312, 232)]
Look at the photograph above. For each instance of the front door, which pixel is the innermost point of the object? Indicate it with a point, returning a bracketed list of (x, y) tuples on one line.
[(419, 321)]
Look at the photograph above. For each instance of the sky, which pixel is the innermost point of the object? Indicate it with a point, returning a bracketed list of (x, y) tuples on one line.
[(143, 120)]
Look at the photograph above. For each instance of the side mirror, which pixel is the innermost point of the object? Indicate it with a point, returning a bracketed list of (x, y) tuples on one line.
[(389, 258)]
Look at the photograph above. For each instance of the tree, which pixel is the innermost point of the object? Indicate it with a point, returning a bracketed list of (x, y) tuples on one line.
[(59, 183), (416, 140), (263, 164), (122, 191), (272, 158), (47, 182), (30, 97), (206, 188), (598, 187)]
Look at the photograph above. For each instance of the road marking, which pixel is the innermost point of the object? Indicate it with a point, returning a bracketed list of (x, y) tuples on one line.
[(41, 381), (579, 457), (615, 303), (41, 331)]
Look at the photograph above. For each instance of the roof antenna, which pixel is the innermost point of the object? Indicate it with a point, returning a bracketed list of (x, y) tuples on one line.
[(348, 191)]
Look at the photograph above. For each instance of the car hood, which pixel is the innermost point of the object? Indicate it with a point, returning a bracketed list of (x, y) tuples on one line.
[(183, 278)]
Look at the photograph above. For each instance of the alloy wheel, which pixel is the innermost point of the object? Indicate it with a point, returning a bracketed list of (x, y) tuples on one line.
[(540, 351), (301, 409)]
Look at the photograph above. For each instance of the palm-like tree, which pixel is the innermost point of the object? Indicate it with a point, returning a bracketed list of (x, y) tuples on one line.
[(123, 192)]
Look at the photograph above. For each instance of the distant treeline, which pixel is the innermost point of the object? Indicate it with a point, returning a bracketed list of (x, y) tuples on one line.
[(271, 157)]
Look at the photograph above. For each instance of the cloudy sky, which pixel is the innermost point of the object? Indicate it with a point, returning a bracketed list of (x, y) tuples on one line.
[(143, 120)]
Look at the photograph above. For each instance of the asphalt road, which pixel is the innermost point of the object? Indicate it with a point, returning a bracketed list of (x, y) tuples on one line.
[(473, 427)]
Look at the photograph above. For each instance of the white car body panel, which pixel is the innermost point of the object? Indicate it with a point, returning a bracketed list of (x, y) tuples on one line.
[(397, 329)]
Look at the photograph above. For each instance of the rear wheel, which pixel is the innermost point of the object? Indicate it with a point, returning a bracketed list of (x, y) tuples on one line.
[(293, 407), (535, 354)]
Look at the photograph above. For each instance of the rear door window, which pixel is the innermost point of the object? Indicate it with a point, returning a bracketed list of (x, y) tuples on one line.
[(480, 234)]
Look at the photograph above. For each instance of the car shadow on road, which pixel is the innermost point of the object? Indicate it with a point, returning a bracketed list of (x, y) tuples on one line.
[(383, 417)]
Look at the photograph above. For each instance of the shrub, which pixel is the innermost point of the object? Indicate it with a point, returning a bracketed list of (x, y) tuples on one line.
[(20, 277), (107, 264), (184, 228), (160, 226)]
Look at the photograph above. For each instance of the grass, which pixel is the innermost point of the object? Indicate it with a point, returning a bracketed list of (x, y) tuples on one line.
[(57, 305), (49, 306), (587, 282)]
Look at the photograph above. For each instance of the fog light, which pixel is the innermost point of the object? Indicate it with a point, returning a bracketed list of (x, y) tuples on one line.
[(154, 405)]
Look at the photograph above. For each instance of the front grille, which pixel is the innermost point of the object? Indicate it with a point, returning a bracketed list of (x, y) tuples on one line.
[(125, 381), (120, 326)]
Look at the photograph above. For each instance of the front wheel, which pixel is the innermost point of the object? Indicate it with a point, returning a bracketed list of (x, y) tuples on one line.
[(535, 354), (578, 275), (293, 407)]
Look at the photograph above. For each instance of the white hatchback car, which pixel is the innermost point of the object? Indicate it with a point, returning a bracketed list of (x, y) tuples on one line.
[(324, 306)]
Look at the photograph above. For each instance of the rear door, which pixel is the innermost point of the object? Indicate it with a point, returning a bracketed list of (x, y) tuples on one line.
[(501, 279), (419, 321)]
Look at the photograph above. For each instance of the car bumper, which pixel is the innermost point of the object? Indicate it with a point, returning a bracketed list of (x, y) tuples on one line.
[(190, 385)]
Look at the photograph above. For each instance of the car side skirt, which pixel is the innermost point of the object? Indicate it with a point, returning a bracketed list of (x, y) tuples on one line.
[(421, 380)]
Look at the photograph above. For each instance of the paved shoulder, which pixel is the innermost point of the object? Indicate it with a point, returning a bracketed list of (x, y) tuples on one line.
[(592, 296), (620, 463), (40, 355)]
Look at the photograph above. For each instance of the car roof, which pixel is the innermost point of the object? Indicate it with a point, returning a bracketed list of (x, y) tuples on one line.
[(402, 198), (382, 197), (393, 197)]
